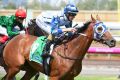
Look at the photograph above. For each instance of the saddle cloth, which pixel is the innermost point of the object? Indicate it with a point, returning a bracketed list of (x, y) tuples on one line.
[(37, 49)]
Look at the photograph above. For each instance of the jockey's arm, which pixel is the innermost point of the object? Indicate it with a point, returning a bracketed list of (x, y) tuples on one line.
[(69, 30), (14, 33), (56, 30), (10, 32)]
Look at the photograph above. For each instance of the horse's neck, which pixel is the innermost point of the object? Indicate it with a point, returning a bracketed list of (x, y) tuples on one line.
[(79, 46)]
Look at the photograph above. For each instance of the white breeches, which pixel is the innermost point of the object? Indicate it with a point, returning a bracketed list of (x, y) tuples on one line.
[(3, 31)]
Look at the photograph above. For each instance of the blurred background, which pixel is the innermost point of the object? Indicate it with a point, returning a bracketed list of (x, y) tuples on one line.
[(108, 9), (104, 63), (58, 4)]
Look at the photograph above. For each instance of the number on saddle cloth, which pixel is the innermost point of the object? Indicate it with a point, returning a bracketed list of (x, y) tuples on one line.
[(37, 49)]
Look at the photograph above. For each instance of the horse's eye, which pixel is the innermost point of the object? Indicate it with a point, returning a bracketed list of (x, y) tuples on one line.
[(99, 29)]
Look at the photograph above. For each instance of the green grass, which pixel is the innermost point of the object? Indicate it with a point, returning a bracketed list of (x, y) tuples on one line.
[(81, 77), (96, 78)]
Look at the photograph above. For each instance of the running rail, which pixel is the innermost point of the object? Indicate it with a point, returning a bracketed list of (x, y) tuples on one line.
[(101, 50)]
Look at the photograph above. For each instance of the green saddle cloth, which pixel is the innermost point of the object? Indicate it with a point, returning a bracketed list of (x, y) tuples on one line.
[(37, 49)]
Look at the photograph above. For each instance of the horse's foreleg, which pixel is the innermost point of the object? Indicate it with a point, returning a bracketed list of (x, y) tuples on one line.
[(6, 69), (11, 73), (37, 76), (29, 74)]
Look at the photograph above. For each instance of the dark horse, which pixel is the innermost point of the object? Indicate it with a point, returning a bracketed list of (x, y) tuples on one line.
[(67, 62)]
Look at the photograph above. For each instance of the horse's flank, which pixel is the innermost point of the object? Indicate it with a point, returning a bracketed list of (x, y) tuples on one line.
[(23, 44)]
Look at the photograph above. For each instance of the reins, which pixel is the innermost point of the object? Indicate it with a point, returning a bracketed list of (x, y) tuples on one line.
[(66, 57), (70, 58)]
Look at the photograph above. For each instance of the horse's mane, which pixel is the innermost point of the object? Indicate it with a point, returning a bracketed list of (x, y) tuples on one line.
[(84, 27)]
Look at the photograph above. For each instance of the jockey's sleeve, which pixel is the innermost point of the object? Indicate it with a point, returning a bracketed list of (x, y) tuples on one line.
[(55, 27), (9, 26), (69, 25), (10, 32), (3, 20), (7, 21)]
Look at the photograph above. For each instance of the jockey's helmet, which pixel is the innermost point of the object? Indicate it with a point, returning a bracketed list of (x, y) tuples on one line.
[(20, 13), (70, 9)]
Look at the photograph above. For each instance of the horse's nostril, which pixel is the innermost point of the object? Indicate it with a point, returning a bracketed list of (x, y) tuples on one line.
[(113, 42)]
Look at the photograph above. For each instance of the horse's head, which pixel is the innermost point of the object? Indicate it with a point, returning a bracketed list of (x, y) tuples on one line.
[(101, 33), (98, 31)]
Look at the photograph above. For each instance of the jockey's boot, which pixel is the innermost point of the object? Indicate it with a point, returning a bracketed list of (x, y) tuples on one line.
[(46, 52), (47, 57)]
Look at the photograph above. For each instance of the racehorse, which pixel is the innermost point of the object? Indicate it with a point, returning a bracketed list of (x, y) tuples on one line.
[(31, 30), (68, 56)]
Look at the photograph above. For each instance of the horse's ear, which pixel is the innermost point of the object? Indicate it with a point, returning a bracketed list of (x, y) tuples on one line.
[(98, 18), (93, 19)]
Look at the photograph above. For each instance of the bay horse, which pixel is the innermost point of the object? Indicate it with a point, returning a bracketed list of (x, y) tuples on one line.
[(31, 30), (67, 62)]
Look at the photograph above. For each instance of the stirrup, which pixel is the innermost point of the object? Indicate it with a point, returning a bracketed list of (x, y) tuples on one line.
[(46, 65), (46, 55)]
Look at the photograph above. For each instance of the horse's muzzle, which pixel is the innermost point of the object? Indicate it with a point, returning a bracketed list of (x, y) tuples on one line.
[(111, 42)]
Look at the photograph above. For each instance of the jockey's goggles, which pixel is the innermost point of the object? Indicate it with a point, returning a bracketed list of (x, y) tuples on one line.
[(72, 14), (21, 18)]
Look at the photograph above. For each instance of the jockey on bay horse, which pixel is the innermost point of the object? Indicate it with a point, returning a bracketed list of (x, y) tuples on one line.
[(52, 23)]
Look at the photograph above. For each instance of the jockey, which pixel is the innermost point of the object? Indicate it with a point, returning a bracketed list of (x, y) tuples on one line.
[(12, 25), (56, 24), (52, 24)]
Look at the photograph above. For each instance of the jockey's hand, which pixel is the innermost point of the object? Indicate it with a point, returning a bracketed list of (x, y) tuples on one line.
[(73, 30), (22, 32), (70, 30)]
